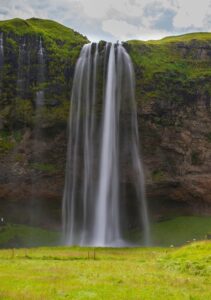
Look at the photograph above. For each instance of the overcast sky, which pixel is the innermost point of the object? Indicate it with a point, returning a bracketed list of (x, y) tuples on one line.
[(117, 19)]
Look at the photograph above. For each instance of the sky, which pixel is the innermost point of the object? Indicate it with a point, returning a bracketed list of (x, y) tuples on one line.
[(113, 20)]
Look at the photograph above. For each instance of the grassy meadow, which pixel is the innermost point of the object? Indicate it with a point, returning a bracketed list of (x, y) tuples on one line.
[(170, 271), (108, 274)]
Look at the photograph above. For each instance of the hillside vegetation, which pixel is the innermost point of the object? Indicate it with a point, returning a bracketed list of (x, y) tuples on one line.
[(21, 42), (174, 68)]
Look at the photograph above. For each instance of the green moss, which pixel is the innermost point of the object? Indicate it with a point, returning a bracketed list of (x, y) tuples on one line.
[(5, 145), (173, 69), (22, 111), (62, 46), (6, 142), (44, 167), (12, 43), (158, 175), (53, 115)]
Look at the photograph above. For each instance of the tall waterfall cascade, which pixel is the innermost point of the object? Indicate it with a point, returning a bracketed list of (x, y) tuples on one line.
[(39, 101), (1, 49), (21, 78), (1, 60), (104, 194)]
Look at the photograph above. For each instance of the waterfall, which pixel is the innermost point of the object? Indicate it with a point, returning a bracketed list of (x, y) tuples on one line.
[(21, 88), (39, 100), (107, 195), (104, 172), (1, 50), (1, 60), (38, 144)]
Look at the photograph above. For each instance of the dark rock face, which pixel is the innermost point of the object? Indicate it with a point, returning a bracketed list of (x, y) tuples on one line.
[(177, 157), (174, 96), (31, 188)]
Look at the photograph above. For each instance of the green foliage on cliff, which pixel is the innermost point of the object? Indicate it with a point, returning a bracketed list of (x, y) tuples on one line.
[(44, 167), (8, 141), (171, 72), (21, 72), (52, 32), (174, 70)]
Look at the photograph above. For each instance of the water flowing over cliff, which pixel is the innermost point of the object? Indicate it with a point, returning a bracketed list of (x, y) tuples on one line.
[(104, 168), (39, 101), (1, 58)]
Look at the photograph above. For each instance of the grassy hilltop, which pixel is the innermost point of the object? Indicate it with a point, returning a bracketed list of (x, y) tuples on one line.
[(173, 68), (57, 36)]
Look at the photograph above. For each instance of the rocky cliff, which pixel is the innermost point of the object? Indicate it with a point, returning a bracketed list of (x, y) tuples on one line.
[(34, 109), (173, 97)]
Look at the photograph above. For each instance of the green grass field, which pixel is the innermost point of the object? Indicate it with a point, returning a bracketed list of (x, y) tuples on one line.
[(87, 273), (109, 274)]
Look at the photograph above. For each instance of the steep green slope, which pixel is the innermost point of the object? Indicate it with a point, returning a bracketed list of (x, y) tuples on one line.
[(60, 36), (21, 39), (174, 68)]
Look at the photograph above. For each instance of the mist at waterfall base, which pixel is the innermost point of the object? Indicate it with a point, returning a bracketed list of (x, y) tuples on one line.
[(104, 194)]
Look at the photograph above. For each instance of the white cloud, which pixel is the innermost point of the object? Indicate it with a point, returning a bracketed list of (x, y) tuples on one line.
[(100, 9), (192, 13), (117, 19), (120, 29)]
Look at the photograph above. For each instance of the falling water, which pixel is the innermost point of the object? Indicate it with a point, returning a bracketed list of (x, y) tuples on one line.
[(107, 195), (21, 69), (39, 144), (104, 172), (1, 49), (1, 59), (39, 100)]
